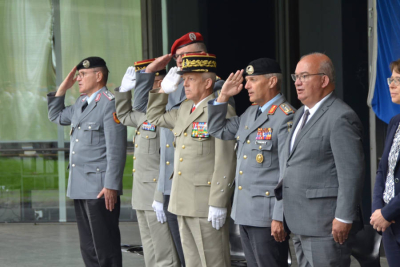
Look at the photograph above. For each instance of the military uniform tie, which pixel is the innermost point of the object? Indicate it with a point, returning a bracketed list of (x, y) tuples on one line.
[(84, 106), (193, 108), (258, 112)]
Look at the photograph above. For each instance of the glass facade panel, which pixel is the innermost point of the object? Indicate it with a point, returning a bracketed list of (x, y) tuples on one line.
[(29, 153)]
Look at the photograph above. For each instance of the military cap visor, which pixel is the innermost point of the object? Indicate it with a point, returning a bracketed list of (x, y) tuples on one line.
[(262, 66), (91, 62)]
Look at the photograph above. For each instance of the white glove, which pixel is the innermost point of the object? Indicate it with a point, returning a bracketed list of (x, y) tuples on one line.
[(158, 207), (129, 80), (217, 216), (171, 81)]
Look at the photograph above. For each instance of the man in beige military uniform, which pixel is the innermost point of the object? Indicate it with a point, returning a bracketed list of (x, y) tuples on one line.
[(204, 168), (158, 246)]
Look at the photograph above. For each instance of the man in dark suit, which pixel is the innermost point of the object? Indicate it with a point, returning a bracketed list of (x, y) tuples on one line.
[(323, 170)]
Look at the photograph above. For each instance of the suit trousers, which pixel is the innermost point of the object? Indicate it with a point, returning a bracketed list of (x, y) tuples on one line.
[(158, 246), (392, 247), (261, 249), (204, 246), (99, 235), (174, 228), (322, 251)]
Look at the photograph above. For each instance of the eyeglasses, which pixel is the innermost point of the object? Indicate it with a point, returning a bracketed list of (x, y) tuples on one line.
[(304, 77), (395, 80), (82, 74), (176, 56)]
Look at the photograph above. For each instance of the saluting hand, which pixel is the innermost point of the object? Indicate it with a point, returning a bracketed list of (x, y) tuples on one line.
[(232, 86), (159, 63), (67, 83), (110, 197)]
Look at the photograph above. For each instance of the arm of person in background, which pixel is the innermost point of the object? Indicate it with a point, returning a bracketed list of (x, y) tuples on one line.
[(219, 125), (348, 155), (223, 176), (277, 229), (116, 141), (57, 111), (156, 110)]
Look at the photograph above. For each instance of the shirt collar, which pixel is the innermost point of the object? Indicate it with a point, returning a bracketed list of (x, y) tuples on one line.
[(269, 103), (93, 96), (316, 106)]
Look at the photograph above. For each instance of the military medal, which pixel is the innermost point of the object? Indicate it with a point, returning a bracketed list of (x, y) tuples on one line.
[(264, 134), (199, 130), (260, 158), (148, 126)]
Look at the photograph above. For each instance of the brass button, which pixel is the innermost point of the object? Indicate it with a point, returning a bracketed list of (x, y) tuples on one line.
[(79, 127), (154, 179), (199, 138), (147, 137), (179, 173), (73, 152), (240, 172), (183, 146), (246, 127), (175, 134), (98, 169), (73, 165), (138, 133), (248, 141), (90, 127), (260, 147), (245, 157), (136, 145), (208, 182), (181, 159), (167, 145), (237, 138), (134, 157), (267, 193), (185, 134), (240, 188), (76, 140), (133, 170), (167, 162)]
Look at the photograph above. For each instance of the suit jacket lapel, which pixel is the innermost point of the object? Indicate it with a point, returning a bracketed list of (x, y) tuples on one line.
[(318, 114)]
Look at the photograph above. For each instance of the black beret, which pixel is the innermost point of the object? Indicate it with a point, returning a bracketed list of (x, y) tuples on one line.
[(91, 62), (262, 66)]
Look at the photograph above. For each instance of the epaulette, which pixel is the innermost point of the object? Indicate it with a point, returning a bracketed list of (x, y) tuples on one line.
[(272, 110), (286, 109), (109, 95)]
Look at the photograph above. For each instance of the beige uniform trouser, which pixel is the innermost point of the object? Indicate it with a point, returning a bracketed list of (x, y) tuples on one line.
[(158, 246), (203, 245)]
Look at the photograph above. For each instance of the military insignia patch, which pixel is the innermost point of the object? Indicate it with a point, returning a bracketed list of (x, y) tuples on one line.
[(86, 64), (260, 158), (264, 134), (289, 126), (250, 69), (109, 95), (116, 118), (199, 130), (98, 97), (148, 127), (286, 109), (254, 104), (272, 110), (84, 99)]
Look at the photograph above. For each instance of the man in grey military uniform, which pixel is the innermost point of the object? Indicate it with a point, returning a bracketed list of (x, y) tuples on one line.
[(97, 160), (158, 247), (204, 166), (191, 42), (260, 134)]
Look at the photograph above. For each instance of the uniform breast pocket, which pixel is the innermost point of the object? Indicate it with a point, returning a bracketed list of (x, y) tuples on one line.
[(261, 154), (203, 145), (149, 141), (91, 133)]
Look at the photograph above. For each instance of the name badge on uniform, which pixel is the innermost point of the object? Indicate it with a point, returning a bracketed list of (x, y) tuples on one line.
[(148, 127), (199, 130), (264, 134)]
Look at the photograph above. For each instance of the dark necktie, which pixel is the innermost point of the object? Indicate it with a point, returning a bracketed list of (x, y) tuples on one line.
[(84, 106), (303, 122), (258, 112)]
